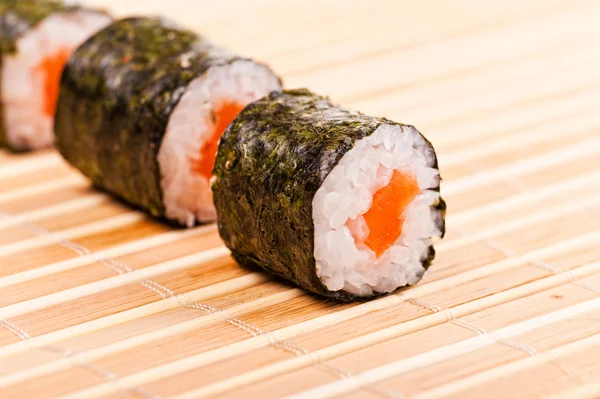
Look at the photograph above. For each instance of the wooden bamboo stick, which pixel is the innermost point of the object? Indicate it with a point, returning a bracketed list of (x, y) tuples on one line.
[(439, 354)]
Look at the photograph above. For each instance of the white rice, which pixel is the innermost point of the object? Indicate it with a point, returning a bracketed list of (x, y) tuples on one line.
[(187, 195), (347, 193), (26, 124)]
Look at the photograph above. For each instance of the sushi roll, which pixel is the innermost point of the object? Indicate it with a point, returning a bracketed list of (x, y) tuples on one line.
[(343, 204), (142, 106), (36, 39)]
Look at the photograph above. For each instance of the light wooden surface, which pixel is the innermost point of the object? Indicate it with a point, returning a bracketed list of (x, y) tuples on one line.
[(98, 301)]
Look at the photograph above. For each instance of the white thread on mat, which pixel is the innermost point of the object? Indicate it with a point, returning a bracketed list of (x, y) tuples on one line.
[(17, 331), (503, 341), (285, 345), (183, 301), (93, 368), (80, 250), (254, 331), (554, 270), (71, 355), (508, 253)]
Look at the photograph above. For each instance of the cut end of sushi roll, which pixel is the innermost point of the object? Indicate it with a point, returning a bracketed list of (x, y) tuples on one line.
[(189, 148), (341, 203), (376, 213), (142, 107), (30, 75)]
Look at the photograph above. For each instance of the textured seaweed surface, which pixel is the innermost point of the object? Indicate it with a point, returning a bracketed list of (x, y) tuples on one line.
[(117, 93), (272, 159), (16, 18)]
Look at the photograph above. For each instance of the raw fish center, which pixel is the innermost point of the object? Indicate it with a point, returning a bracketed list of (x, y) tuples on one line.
[(222, 116), (51, 69), (385, 217)]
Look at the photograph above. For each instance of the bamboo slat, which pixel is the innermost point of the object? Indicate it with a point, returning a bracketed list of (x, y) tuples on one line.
[(98, 300)]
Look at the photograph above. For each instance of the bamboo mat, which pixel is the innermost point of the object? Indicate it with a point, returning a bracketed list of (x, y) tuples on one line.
[(99, 301)]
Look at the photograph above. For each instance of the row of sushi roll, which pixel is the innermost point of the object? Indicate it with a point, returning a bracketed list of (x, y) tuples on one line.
[(340, 203)]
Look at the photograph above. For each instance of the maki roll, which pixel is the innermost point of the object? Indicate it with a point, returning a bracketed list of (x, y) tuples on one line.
[(36, 39), (142, 106), (343, 204)]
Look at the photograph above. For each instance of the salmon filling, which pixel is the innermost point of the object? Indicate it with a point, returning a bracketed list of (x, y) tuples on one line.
[(384, 220), (221, 119), (51, 70)]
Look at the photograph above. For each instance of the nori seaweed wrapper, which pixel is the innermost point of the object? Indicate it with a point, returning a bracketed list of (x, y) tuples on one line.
[(17, 17), (117, 93), (272, 160)]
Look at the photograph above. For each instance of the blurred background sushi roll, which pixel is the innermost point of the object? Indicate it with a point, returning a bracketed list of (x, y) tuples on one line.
[(342, 204), (37, 38), (142, 107)]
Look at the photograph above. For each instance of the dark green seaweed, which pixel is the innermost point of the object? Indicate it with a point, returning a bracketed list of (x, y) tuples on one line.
[(117, 93), (272, 159), (19, 16), (16, 18)]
